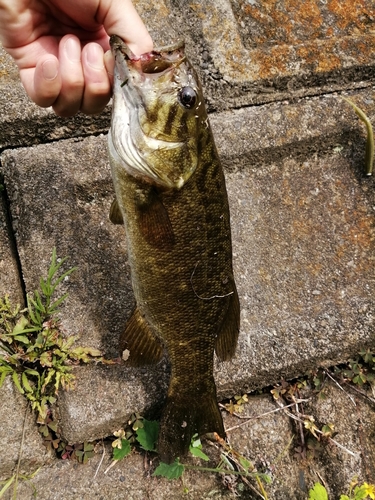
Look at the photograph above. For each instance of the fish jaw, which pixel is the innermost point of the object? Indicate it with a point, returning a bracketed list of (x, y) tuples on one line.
[(154, 135)]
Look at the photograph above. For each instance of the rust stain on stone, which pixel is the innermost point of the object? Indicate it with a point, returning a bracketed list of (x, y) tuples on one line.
[(289, 36), (274, 62), (313, 56), (351, 14)]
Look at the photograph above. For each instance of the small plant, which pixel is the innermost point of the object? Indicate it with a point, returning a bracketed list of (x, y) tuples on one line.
[(361, 370), (355, 492), (231, 462), (14, 479), (236, 406), (33, 350)]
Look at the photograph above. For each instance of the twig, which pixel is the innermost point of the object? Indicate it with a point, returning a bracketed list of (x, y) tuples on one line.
[(351, 386), (322, 480), (101, 461), (259, 416), (340, 387), (354, 454), (301, 434), (110, 466), (369, 158)]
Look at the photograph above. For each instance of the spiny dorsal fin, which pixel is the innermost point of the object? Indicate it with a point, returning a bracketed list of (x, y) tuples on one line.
[(115, 215), (226, 341), (155, 224), (139, 346)]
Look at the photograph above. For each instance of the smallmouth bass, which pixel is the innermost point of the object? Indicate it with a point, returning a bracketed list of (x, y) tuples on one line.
[(171, 196)]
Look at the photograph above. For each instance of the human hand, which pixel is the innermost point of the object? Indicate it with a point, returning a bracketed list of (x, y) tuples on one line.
[(60, 48)]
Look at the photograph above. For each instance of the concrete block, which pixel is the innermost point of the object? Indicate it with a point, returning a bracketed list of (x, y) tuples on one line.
[(17, 419), (303, 236)]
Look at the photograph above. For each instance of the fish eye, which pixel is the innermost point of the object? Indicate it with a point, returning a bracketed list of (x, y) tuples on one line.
[(187, 97)]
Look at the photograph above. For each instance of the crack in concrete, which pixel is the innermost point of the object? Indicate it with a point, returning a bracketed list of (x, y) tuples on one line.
[(12, 238)]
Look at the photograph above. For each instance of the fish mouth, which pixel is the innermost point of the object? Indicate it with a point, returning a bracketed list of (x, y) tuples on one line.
[(157, 61)]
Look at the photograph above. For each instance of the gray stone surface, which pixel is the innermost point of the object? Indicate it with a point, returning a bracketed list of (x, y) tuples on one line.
[(16, 418), (245, 53), (303, 236), (354, 421), (264, 434)]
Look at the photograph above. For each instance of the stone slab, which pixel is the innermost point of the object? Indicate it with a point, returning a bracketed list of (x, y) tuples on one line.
[(264, 434), (303, 235), (16, 418), (245, 52)]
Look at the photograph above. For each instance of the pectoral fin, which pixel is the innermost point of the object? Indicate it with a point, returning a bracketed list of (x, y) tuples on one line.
[(138, 344), (115, 215), (226, 340), (155, 224)]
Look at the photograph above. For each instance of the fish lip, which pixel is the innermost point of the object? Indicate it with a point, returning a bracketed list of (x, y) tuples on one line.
[(117, 44)]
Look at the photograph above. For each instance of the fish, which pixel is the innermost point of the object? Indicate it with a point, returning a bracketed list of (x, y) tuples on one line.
[(171, 196)]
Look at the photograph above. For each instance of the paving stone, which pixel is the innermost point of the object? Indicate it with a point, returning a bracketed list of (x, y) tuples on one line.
[(353, 417), (245, 52), (264, 434), (17, 419), (303, 236), (254, 52)]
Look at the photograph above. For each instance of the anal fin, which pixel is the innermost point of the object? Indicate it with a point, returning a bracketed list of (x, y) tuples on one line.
[(139, 345), (226, 340)]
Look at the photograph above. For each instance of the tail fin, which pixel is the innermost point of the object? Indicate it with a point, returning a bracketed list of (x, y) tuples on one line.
[(182, 418)]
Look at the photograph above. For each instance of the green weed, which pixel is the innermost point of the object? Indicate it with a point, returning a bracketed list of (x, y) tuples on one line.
[(33, 351), (231, 463), (355, 492)]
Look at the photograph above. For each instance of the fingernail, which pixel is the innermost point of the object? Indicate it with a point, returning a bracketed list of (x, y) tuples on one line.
[(73, 50), (49, 69), (94, 56)]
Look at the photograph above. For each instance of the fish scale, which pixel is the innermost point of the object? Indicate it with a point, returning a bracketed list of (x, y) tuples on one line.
[(173, 203)]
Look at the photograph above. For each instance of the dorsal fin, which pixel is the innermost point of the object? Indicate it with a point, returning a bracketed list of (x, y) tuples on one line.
[(226, 340)]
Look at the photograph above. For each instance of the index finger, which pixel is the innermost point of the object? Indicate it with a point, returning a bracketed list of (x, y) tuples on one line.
[(123, 20)]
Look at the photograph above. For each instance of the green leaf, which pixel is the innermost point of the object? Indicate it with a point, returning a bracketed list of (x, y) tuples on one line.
[(17, 382), (318, 492), (7, 485), (22, 338), (148, 435), (20, 325), (170, 471), (344, 497), (26, 383), (3, 375), (120, 453), (197, 452), (246, 464), (53, 307)]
